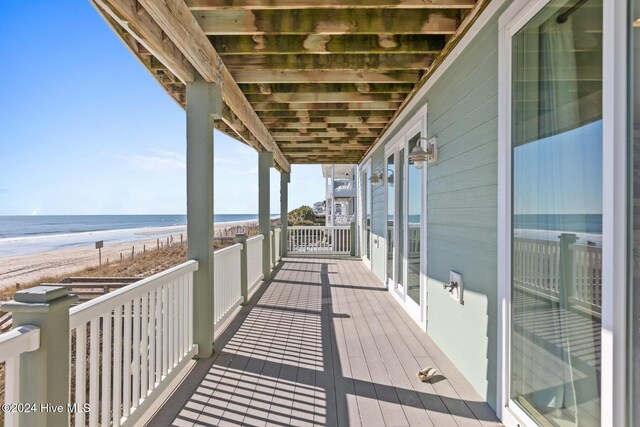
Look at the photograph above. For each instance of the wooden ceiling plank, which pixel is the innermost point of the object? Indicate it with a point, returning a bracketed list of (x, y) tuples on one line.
[(276, 88), (179, 24), (328, 44), (317, 127), (462, 29), (318, 76), (198, 5), (327, 21), (337, 136), (266, 106), (329, 62), (313, 97)]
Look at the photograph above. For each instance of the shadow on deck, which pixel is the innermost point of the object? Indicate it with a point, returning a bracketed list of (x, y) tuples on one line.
[(323, 343)]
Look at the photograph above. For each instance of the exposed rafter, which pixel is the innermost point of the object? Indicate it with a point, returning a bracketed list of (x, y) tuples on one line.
[(178, 25)]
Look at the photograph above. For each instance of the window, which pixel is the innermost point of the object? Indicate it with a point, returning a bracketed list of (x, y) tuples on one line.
[(556, 240)]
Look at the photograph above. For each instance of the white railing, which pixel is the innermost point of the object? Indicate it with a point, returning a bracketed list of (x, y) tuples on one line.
[(17, 341), (278, 237), (254, 261), (226, 283), (318, 239), (128, 345), (536, 267)]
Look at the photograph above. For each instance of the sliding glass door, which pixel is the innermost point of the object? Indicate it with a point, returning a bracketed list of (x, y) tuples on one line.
[(556, 240)]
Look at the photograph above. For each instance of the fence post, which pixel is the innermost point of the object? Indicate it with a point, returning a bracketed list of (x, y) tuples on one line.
[(352, 238), (244, 284), (44, 373), (567, 281)]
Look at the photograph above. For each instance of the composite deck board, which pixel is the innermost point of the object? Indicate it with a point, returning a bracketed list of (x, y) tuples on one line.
[(324, 343)]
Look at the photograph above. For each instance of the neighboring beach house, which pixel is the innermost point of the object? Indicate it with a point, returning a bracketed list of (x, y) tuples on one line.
[(497, 175), (341, 194)]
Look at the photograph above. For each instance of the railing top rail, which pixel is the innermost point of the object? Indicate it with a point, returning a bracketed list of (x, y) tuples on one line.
[(229, 249), (19, 340), (102, 304), (319, 227), (255, 238)]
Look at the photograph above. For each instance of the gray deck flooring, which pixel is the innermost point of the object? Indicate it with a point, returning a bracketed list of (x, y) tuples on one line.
[(324, 343)]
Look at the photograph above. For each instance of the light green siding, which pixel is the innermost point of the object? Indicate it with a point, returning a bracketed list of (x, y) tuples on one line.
[(462, 209), (378, 218)]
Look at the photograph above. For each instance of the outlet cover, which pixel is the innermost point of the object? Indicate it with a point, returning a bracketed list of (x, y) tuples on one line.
[(457, 292)]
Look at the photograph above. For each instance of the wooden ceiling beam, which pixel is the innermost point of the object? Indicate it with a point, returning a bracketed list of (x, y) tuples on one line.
[(277, 88), (198, 5), (319, 76), (313, 136), (327, 21), (329, 62), (267, 106), (317, 127), (178, 23), (141, 25), (312, 97), (353, 116), (328, 44)]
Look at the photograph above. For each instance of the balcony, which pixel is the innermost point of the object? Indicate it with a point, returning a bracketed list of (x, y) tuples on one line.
[(323, 343), (320, 342)]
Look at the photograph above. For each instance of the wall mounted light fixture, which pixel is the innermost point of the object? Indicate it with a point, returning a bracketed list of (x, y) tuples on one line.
[(420, 155)]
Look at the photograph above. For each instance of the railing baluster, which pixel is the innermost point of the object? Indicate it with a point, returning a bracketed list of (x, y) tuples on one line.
[(126, 362), (94, 360), (81, 373), (144, 348), (117, 365), (106, 369), (136, 353)]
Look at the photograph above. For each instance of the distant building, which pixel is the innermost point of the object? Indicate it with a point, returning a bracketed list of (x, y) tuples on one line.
[(341, 195)]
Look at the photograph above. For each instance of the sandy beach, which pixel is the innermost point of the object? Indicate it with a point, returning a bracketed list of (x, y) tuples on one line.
[(27, 268)]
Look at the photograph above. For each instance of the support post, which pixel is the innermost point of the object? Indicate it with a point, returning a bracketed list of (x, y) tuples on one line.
[(44, 373), (244, 281), (204, 104), (265, 163), (284, 212)]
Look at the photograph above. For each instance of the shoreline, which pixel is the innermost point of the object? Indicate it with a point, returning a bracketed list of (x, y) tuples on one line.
[(25, 268)]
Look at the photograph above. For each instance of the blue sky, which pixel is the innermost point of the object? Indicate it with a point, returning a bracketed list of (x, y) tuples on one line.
[(561, 174), (84, 129)]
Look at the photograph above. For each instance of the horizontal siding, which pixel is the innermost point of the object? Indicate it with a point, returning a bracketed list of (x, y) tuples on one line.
[(462, 198)]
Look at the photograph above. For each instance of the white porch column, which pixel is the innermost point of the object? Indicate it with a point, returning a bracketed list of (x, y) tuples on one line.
[(204, 104), (285, 178), (265, 163)]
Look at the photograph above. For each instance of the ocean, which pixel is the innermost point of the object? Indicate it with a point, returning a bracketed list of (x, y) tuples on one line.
[(22, 235)]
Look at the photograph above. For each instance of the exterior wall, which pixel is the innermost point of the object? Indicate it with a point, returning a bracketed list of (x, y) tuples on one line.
[(378, 218), (462, 209)]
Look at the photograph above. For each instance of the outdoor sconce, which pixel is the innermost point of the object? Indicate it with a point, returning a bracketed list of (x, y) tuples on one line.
[(376, 177), (419, 155)]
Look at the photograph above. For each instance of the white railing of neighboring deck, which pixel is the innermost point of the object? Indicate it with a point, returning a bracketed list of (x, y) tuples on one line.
[(22, 339), (129, 344), (319, 240), (536, 268), (226, 283), (254, 261)]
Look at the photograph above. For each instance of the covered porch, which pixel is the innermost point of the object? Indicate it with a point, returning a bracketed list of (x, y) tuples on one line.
[(323, 343)]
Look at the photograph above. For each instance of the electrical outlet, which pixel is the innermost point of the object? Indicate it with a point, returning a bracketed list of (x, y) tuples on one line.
[(456, 286)]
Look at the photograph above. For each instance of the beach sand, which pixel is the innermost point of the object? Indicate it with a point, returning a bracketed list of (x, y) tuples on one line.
[(27, 268)]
